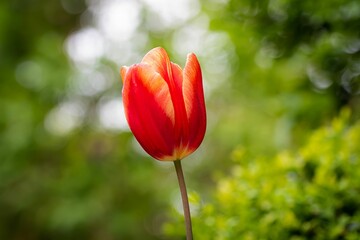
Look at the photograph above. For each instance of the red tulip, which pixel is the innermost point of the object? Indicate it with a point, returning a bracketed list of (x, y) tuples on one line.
[(164, 105)]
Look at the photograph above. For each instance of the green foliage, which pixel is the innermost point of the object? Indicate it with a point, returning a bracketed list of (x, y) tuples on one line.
[(326, 32), (313, 193)]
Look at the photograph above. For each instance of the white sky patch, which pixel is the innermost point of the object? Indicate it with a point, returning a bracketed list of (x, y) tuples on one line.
[(209, 48), (89, 82), (125, 53), (117, 19), (64, 118), (85, 46), (171, 13), (111, 114), (191, 37)]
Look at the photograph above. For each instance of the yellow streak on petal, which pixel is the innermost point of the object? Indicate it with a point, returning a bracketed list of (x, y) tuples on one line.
[(178, 154), (123, 71), (160, 89), (191, 70)]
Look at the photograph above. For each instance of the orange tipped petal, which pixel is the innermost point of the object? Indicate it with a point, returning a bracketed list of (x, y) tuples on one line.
[(159, 60), (123, 71), (149, 110), (194, 101)]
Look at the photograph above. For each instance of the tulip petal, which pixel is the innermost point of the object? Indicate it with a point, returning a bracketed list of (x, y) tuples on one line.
[(194, 101), (159, 60), (179, 105), (149, 110), (123, 72)]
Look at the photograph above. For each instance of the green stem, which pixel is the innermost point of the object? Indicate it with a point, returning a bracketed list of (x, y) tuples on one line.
[(185, 201)]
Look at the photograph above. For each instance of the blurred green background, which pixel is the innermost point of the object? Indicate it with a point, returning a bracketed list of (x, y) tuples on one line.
[(281, 156)]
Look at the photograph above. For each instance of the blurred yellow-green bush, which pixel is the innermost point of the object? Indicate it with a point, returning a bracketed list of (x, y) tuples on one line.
[(312, 193)]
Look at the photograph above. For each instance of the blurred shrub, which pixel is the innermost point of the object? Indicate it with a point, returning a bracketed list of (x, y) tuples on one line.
[(324, 32), (310, 194)]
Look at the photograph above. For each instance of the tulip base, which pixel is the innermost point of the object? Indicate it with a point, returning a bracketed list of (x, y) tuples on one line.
[(184, 197)]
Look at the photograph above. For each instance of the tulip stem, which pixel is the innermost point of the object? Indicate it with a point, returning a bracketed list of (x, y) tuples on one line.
[(184, 197)]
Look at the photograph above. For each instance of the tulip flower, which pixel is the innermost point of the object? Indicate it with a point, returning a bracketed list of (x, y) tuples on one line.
[(164, 106)]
